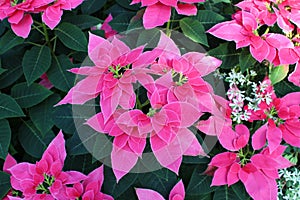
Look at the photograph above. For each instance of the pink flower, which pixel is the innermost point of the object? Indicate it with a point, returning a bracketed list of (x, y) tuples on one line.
[(259, 175), (18, 14), (90, 188), (170, 139), (112, 77), (159, 11), (243, 30), (109, 32), (228, 167), (45, 179), (177, 193), (45, 82), (52, 14), (284, 126), (234, 140)]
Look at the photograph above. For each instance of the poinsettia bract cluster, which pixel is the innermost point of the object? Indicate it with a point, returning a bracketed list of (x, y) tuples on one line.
[(177, 98), (46, 179), (256, 25), (19, 13)]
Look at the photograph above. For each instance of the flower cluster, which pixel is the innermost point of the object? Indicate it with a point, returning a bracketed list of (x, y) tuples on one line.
[(19, 13), (278, 120), (177, 97), (46, 179), (254, 26), (289, 184), (158, 12)]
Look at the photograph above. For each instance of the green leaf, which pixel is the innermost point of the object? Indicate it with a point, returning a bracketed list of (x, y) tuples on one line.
[(82, 163), (199, 184), (149, 37), (91, 6), (162, 181), (5, 136), (8, 41), (36, 62), (195, 160), (224, 193), (41, 114), (221, 1), (126, 4), (59, 68), (279, 73), (9, 107), (110, 185), (240, 191), (71, 36), (82, 21), (227, 53), (1, 69), (246, 60), (32, 140), (63, 118), (121, 22), (284, 87), (28, 96), (13, 66), (4, 184), (208, 18), (194, 30)]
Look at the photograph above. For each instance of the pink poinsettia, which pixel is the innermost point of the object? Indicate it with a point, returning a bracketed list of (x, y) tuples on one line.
[(170, 139), (270, 46), (283, 126), (109, 32), (18, 14), (45, 179), (258, 174), (111, 77), (177, 193), (52, 13), (90, 188), (158, 12)]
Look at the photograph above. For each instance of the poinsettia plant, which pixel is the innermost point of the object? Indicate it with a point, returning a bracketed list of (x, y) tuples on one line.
[(149, 99)]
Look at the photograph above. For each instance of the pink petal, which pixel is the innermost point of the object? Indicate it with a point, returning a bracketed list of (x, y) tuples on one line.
[(260, 53), (156, 15), (146, 194), (220, 176), (74, 177), (263, 162), (8, 163), (52, 16), (56, 149), (178, 191), (223, 159), (94, 41), (274, 136), (122, 161), (16, 17), (23, 28), (233, 172), (288, 56), (204, 64), (186, 9), (260, 187), (259, 137), (230, 31)]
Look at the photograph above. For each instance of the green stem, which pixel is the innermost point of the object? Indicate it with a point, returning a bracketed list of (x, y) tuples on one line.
[(47, 36), (168, 30)]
